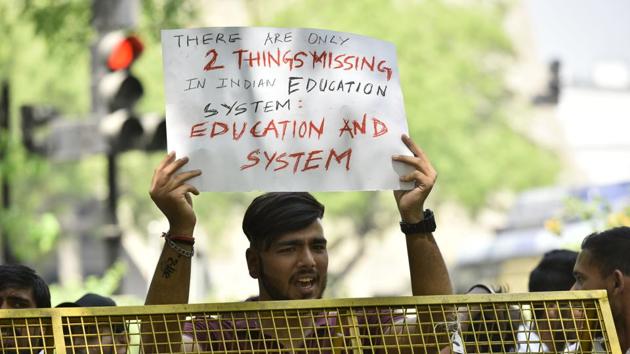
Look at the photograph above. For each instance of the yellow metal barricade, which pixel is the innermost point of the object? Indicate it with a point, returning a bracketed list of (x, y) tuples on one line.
[(576, 322)]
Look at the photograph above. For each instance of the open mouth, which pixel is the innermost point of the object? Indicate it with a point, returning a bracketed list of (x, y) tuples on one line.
[(305, 282)]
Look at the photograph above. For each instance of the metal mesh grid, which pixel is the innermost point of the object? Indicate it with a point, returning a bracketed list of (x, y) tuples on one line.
[(577, 322), (25, 335)]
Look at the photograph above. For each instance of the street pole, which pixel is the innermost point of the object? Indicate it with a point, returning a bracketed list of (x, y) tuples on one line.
[(112, 234), (109, 15), (5, 129)]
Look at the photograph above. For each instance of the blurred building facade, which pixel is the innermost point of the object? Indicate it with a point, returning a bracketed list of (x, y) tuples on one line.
[(574, 65)]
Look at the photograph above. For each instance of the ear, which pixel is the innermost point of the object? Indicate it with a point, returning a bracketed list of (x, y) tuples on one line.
[(618, 282), (253, 262)]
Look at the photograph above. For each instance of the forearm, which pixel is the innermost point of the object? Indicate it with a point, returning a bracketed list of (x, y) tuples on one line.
[(171, 279), (429, 275), (170, 285)]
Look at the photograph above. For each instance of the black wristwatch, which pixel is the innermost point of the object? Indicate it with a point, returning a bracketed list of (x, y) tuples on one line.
[(425, 226)]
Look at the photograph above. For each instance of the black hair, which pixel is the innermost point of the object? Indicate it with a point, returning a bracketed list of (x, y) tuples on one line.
[(609, 249), (554, 272), (17, 276), (273, 214)]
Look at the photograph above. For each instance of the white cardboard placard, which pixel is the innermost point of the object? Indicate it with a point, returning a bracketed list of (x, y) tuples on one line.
[(280, 109)]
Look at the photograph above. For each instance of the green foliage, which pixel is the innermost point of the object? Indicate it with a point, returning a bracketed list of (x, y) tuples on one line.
[(45, 57), (64, 25), (105, 285), (35, 61), (30, 233), (163, 14), (158, 15), (451, 60)]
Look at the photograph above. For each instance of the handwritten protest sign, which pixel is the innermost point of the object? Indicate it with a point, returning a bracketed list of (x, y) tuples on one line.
[(281, 109)]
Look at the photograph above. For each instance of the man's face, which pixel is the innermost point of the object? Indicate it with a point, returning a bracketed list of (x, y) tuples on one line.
[(587, 274), (101, 342), (14, 335), (294, 266), (12, 298)]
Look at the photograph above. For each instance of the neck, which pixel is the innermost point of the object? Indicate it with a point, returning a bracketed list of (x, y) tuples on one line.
[(623, 333), (622, 322)]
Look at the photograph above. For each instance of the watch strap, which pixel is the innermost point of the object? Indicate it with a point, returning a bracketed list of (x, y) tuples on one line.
[(425, 226)]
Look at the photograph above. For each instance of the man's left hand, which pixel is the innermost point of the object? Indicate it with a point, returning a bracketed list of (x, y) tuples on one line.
[(411, 202)]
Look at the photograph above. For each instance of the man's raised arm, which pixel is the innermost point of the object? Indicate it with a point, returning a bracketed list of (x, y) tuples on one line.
[(429, 275), (171, 194), (171, 279)]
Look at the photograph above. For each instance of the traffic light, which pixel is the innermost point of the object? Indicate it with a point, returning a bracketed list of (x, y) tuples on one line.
[(119, 91), (554, 83), (154, 131), (36, 127)]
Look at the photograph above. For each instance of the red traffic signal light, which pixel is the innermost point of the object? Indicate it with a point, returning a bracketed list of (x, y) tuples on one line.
[(120, 50), (117, 86)]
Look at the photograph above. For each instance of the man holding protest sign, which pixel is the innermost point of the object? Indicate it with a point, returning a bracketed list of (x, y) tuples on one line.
[(287, 253), (287, 111)]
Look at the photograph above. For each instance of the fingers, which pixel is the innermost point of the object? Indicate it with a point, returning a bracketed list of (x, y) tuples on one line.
[(419, 161), (166, 180), (188, 198), (184, 190), (169, 165), (421, 170), (421, 180), (415, 149), (169, 184), (414, 176), (180, 178), (158, 171), (411, 145), (166, 160), (173, 166), (424, 175)]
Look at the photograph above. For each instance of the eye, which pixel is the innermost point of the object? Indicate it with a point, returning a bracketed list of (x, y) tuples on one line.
[(319, 247), (286, 249), (18, 304)]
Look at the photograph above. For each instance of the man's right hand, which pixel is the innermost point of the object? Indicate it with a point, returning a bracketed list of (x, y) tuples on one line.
[(171, 194)]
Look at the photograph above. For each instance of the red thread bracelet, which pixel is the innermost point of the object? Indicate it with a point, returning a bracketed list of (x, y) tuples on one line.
[(189, 240)]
